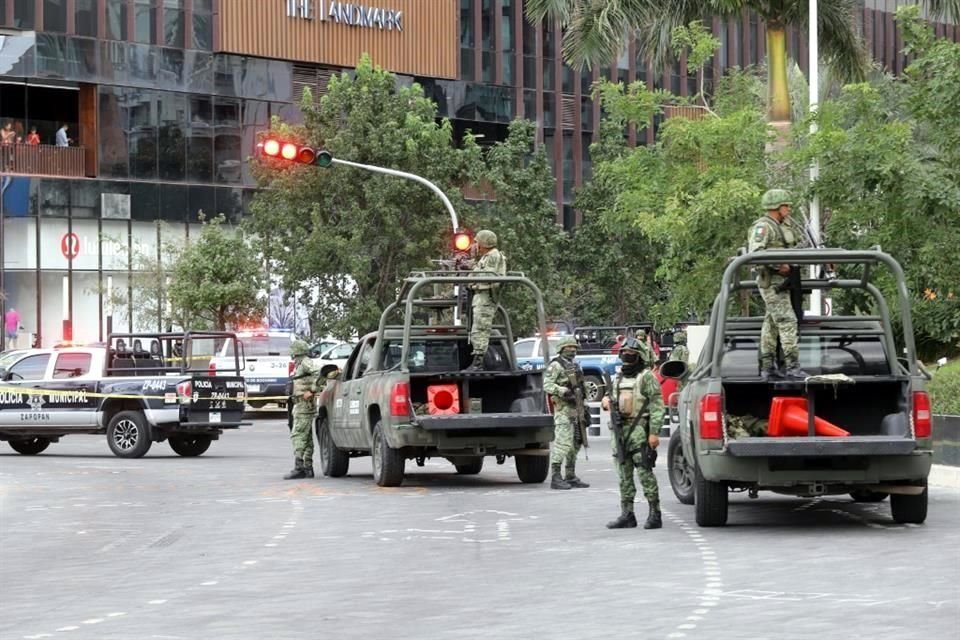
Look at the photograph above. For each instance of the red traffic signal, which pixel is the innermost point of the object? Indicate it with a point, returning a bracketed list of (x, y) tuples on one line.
[(462, 241), (292, 152)]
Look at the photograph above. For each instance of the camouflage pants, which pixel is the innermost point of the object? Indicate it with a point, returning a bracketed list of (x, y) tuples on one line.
[(565, 450), (780, 320), (628, 489), (302, 437), (484, 308)]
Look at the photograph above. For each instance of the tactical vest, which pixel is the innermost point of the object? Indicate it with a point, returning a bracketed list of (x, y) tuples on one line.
[(304, 379), (574, 374), (629, 400)]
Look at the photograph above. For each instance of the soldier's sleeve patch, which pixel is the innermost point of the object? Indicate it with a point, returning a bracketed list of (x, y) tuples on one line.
[(759, 233)]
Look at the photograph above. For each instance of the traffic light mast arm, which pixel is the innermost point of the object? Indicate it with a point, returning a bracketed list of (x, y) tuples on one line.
[(408, 176)]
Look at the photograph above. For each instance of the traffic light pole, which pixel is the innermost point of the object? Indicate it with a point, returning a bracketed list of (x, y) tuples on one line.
[(408, 176)]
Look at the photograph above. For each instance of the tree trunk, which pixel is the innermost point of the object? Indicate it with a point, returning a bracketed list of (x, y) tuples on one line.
[(777, 88)]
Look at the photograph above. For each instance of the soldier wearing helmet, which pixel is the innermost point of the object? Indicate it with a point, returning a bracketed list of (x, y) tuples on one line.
[(773, 231), (680, 351), (306, 384), (639, 403), (485, 298), (563, 382)]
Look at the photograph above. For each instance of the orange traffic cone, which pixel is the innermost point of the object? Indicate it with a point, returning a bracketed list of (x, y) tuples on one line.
[(789, 417), (443, 399)]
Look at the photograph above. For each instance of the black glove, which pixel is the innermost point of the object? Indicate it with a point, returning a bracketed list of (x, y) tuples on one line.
[(649, 457), (569, 395)]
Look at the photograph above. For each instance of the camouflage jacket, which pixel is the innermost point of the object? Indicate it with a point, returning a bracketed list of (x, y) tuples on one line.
[(556, 381), (306, 377), (767, 233), (491, 262), (680, 353), (637, 397)]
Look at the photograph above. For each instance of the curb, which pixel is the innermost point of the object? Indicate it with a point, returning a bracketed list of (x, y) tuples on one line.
[(943, 476)]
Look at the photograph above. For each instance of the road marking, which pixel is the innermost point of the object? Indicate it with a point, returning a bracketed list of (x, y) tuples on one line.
[(156, 602), (71, 628), (117, 614)]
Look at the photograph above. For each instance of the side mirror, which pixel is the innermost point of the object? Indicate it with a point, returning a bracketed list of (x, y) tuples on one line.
[(673, 369), (330, 372)]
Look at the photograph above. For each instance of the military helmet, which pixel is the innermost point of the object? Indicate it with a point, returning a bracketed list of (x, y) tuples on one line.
[(680, 337), (775, 198), (299, 348), (568, 341), (487, 239), (631, 344)]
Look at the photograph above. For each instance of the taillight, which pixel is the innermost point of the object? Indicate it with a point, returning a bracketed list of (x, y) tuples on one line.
[(922, 420), (185, 391), (400, 400), (290, 367), (711, 416), (212, 369)]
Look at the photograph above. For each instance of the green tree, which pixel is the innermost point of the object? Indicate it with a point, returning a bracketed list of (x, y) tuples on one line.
[(218, 279), (524, 219), (351, 234), (597, 31), (890, 176)]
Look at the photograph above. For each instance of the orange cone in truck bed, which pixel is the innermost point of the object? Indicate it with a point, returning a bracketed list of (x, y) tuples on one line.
[(789, 417), (443, 399)]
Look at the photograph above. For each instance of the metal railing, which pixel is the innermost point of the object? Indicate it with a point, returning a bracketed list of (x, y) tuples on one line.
[(42, 159)]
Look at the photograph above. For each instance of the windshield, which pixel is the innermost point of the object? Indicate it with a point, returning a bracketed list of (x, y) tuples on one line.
[(8, 357), (850, 355)]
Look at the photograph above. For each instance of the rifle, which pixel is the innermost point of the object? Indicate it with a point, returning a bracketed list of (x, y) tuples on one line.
[(583, 415), (616, 426), (793, 284)]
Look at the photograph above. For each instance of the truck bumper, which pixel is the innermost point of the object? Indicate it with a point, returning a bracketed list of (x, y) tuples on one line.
[(794, 466), (475, 435)]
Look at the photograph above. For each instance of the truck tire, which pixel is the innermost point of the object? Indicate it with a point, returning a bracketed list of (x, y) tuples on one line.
[(257, 404), (469, 466), (29, 446), (387, 463), (128, 434), (333, 462), (909, 509), (532, 469), (190, 446), (594, 386), (680, 471), (863, 495), (710, 500)]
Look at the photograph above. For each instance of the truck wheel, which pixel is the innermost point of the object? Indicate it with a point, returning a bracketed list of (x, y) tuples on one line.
[(594, 387), (711, 501), (679, 470), (29, 446), (128, 435), (909, 509), (333, 462), (387, 463), (532, 469), (257, 404), (190, 446), (469, 466), (862, 495)]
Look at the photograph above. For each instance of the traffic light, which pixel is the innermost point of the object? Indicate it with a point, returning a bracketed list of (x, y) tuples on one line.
[(462, 241), (293, 152)]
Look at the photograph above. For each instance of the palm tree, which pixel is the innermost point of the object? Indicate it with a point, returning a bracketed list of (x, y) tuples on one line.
[(596, 30)]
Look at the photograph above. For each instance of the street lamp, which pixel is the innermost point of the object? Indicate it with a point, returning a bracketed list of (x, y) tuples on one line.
[(816, 303)]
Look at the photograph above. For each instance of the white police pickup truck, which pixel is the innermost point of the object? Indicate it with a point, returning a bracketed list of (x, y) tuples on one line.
[(266, 365), (134, 395)]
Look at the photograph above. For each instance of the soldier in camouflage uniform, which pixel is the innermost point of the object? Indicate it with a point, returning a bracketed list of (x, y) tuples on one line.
[(562, 380), (306, 384), (485, 296), (772, 231), (680, 351), (640, 404)]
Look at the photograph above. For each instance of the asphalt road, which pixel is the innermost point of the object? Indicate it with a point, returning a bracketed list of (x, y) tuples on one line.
[(93, 546)]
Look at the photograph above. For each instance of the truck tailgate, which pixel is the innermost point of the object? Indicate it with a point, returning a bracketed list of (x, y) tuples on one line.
[(821, 446), (216, 400), (485, 421)]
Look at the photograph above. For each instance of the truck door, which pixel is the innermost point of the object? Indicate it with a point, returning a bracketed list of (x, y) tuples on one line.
[(71, 372), (348, 400), (24, 409)]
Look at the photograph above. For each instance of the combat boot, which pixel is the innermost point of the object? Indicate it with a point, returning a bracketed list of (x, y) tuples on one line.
[(308, 471), (477, 364), (770, 373), (576, 483), (794, 372), (626, 520), (654, 519), (557, 482), (297, 472)]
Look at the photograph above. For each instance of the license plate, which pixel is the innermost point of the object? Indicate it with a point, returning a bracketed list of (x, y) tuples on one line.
[(214, 417), (253, 388)]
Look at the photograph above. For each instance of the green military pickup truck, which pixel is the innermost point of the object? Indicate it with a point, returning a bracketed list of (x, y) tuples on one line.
[(858, 384), (403, 393)]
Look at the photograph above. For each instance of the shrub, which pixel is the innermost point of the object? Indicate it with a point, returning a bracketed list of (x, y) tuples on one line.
[(945, 389)]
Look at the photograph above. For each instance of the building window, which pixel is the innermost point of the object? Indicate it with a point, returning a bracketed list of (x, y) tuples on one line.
[(507, 17), (55, 16), (173, 17), (145, 21), (86, 17), (24, 14), (113, 133), (141, 105), (171, 142), (200, 140), (202, 27), (117, 19)]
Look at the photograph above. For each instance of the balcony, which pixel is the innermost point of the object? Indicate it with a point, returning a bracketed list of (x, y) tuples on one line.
[(43, 159)]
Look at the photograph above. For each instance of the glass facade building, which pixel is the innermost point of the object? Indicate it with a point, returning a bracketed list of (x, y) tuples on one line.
[(162, 108)]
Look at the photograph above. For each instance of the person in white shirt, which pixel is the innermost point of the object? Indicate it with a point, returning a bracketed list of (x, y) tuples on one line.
[(62, 139)]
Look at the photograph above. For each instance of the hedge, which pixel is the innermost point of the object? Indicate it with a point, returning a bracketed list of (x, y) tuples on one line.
[(945, 389)]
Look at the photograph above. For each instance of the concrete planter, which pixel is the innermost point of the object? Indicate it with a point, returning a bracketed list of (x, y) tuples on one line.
[(946, 440)]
